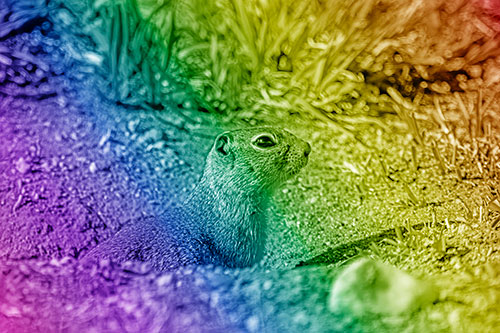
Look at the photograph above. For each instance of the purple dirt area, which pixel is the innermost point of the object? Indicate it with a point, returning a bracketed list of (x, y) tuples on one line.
[(75, 166), (65, 297), (68, 181)]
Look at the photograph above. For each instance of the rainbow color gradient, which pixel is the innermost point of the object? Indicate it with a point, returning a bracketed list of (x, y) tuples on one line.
[(108, 109)]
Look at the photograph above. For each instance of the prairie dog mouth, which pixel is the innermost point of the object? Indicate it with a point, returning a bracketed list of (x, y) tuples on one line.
[(286, 151)]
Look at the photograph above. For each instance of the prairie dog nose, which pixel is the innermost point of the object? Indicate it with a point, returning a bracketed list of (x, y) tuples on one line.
[(307, 150)]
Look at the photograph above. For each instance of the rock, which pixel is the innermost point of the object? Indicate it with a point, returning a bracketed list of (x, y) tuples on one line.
[(371, 287)]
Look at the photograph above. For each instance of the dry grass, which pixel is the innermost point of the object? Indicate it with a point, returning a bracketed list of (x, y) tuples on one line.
[(333, 56), (263, 58)]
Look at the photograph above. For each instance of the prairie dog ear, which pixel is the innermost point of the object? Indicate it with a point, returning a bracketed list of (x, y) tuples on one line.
[(223, 144)]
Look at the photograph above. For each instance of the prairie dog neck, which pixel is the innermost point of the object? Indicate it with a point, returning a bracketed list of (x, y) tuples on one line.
[(229, 219)]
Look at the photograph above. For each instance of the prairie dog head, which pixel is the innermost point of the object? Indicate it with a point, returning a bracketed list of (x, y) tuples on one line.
[(257, 158), (241, 170)]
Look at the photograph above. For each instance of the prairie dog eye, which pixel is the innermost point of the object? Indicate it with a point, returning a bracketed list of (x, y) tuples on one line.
[(264, 141)]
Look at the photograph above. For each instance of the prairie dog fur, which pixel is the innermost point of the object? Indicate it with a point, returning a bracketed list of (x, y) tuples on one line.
[(223, 221)]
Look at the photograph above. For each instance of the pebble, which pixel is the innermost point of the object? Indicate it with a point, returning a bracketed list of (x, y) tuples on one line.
[(22, 166), (252, 323)]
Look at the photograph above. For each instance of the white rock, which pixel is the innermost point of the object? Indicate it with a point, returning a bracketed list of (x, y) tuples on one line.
[(371, 287)]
